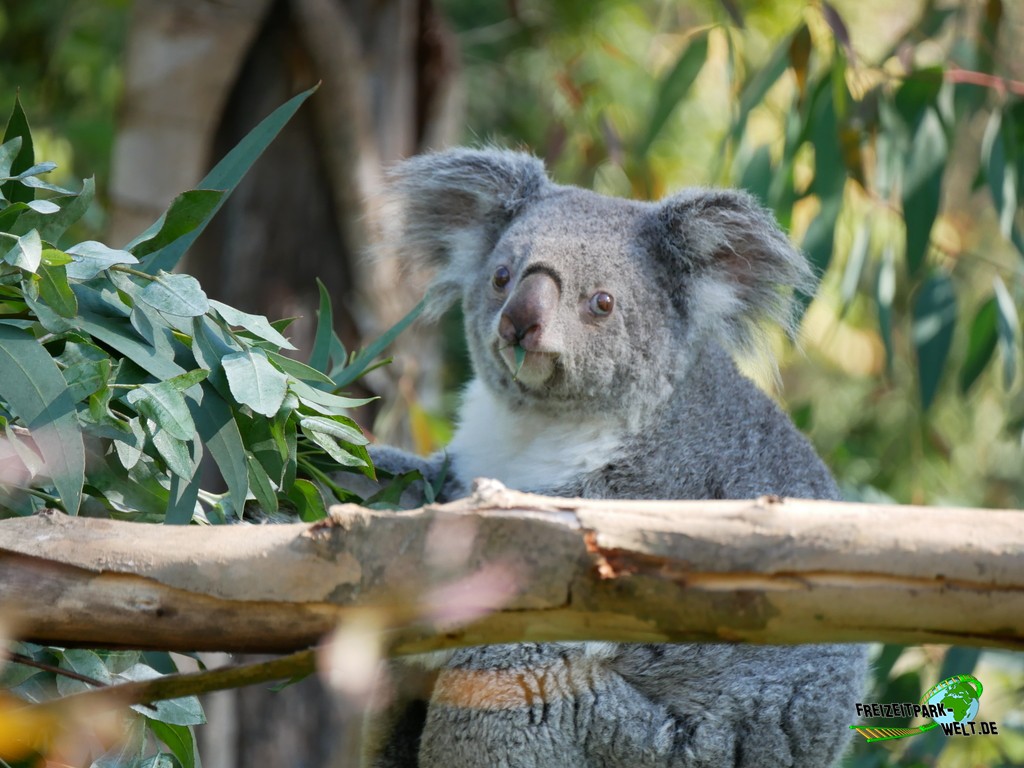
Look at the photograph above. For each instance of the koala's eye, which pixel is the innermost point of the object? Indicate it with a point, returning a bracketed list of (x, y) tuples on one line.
[(501, 277), (602, 303)]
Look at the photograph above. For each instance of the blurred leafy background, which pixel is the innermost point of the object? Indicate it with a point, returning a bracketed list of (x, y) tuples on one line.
[(888, 138)]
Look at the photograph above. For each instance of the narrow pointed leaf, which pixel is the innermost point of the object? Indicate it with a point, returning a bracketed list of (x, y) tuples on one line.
[(885, 291), (186, 212), (35, 391), (331, 447), (342, 428), (345, 375), (922, 186), (1008, 327), (262, 488), (932, 332), (17, 126), (257, 325), (674, 87), (319, 357), (226, 175), (981, 343), (44, 207), (219, 432)]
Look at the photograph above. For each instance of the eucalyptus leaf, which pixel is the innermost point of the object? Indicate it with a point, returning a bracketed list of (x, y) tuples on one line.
[(178, 295), (34, 390), (8, 151), (261, 485), (186, 212), (308, 501), (339, 427), (183, 711), (55, 291), (319, 357), (179, 739), (164, 405), (674, 87), (24, 156), (935, 314), (258, 325), (1008, 327), (254, 381), (45, 207), (219, 432), (326, 441), (27, 251), (175, 453), (226, 176), (922, 186), (981, 343), (91, 258)]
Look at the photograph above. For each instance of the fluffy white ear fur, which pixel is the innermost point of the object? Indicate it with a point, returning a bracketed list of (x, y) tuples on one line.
[(446, 210), (741, 272)]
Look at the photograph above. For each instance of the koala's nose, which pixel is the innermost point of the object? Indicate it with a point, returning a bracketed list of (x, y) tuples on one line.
[(529, 311)]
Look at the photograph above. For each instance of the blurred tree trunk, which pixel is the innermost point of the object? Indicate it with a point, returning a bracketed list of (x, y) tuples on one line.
[(199, 74)]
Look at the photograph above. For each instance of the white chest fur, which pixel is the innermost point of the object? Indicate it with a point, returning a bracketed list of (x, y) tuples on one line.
[(525, 450)]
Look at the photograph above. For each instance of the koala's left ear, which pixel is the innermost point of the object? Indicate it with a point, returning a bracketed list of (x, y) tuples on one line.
[(736, 269)]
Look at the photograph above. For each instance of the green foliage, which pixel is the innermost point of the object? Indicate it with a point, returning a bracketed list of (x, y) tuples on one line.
[(107, 357), (117, 376)]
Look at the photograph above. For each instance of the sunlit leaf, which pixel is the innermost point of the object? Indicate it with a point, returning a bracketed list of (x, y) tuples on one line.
[(186, 212)]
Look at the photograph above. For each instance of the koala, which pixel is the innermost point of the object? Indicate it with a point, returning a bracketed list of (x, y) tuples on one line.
[(602, 333)]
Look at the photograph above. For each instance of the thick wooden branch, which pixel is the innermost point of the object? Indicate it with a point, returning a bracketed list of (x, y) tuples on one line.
[(504, 566)]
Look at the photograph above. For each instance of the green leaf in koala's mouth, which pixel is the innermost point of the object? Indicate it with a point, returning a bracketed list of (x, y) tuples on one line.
[(520, 359)]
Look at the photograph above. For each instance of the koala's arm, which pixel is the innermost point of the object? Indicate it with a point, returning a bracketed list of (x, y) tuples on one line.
[(392, 462)]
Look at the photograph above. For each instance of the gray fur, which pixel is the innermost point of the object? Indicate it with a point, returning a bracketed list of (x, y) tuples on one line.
[(652, 406)]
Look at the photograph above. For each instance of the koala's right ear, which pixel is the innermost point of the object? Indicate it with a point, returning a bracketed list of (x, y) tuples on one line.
[(449, 209)]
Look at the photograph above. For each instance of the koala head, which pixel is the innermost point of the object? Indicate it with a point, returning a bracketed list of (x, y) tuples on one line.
[(573, 299)]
